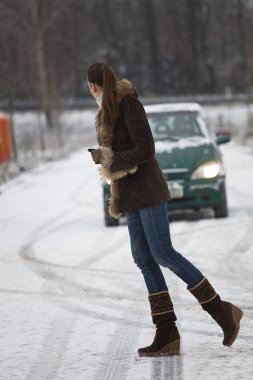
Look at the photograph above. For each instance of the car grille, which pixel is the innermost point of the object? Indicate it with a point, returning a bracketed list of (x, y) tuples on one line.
[(175, 174)]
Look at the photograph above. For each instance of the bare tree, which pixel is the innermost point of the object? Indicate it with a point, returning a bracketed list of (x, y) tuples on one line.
[(187, 46)]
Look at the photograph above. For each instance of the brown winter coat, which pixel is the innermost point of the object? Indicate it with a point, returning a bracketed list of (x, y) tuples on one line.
[(129, 156)]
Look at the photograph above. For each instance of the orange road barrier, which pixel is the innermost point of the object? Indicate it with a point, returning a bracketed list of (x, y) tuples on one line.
[(5, 138)]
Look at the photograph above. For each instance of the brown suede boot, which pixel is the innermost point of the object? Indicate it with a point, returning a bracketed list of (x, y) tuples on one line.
[(167, 339), (226, 314)]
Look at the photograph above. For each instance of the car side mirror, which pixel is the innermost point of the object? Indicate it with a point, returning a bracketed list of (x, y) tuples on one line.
[(223, 137)]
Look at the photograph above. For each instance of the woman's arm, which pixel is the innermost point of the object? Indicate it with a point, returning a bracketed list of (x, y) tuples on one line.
[(141, 135)]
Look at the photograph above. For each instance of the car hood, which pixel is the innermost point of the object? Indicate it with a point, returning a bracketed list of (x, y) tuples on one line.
[(185, 153)]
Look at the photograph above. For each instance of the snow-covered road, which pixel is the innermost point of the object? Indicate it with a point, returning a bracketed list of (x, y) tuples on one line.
[(74, 305)]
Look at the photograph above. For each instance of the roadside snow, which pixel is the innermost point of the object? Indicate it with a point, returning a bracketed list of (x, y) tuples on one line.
[(73, 303)]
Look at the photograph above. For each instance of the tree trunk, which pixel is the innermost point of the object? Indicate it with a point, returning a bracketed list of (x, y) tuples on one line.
[(155, 63), (41, 70)]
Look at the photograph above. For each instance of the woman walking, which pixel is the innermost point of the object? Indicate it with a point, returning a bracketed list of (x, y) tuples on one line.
[(139, 189)]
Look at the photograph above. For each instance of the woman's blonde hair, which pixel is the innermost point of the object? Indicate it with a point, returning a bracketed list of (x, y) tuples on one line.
[(104, 76)]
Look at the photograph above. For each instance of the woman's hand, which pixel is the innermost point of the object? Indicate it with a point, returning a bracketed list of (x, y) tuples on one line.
[(96, 155)]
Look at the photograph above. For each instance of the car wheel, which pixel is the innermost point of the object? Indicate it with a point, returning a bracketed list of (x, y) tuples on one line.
[(221, 211), (111, 222)]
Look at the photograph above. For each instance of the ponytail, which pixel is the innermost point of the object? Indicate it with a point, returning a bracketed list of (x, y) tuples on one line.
[(103, 75), (109, 102)]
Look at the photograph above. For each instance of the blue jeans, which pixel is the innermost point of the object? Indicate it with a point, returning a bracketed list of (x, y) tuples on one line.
[(151, 246)]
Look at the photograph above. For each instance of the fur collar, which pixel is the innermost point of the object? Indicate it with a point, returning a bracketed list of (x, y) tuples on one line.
[(104, 137), (124, 88)]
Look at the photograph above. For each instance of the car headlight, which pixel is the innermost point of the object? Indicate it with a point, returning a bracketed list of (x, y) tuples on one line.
[(210, 169)]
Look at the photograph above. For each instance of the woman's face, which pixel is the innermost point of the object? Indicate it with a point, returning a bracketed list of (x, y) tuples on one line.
[(95, 90)]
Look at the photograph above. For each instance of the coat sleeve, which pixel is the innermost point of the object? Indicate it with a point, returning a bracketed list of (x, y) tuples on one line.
[(141, 135)]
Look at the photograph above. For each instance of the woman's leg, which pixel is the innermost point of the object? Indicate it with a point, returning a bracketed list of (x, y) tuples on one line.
[(167, 339), (156, 227), (142, 256), (226, 314), (155, 224)]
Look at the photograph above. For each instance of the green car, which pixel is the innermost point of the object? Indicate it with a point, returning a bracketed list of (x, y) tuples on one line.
[(188, 154)]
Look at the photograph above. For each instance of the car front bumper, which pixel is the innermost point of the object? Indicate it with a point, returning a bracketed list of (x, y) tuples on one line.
[(201, 193)]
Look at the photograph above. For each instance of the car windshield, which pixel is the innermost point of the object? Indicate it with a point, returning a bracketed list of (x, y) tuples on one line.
[(174, 125)]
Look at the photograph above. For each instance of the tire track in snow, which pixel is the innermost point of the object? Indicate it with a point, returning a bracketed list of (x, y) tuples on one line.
[(167, 368), (45, 367), (26, 251), (44, 268), (113, 366), (52, 349)]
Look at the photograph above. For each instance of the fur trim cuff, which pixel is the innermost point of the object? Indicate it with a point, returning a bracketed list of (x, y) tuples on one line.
[(107, 155), (106, 161), (132, 171), (108, 175)]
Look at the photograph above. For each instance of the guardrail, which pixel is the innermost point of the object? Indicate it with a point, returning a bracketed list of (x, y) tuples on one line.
[(79, 104)]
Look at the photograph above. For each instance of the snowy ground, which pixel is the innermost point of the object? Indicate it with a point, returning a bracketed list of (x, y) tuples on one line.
[(73, 304)]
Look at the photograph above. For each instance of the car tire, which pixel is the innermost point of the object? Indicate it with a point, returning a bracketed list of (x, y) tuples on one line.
[(111, 222), (221, 210)]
